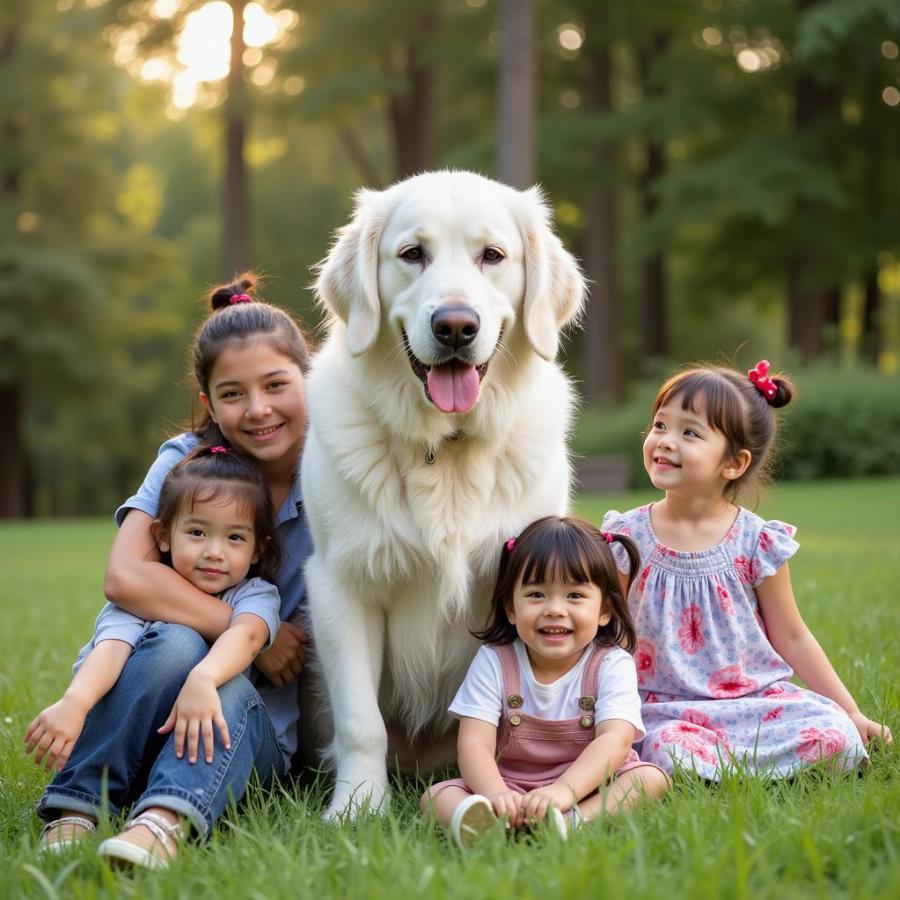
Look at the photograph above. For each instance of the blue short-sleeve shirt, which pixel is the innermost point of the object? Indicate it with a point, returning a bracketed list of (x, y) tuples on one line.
[(296, 546), (252, 595)]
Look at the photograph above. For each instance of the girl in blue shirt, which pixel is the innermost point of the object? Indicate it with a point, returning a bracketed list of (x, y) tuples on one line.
[(249, 359)]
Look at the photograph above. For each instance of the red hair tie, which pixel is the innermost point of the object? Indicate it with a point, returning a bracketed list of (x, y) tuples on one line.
[(218, 449), (510, 544), (240, 298), (608, 536), (759, 375)]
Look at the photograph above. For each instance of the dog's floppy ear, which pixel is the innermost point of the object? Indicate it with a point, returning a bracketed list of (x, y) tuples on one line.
[(554, 285), (347, 279)]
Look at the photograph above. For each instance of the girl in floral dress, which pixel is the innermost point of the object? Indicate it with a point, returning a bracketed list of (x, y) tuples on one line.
[(719, 632)]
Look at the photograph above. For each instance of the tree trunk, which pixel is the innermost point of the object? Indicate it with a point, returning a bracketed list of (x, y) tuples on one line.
[(871, 346), (602, 364), (12, 454), (807, 296), (806, 310), (653, 284), (236, 204), (412, 112), (516, 145), (13, 466)]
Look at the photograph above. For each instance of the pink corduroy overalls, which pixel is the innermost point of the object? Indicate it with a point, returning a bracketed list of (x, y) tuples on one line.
[(534, 752)]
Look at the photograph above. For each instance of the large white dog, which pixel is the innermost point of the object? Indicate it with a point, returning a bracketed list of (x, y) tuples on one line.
[(438, 423)]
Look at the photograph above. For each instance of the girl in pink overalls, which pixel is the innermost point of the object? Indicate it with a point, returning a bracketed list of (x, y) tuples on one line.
[(549, 708)]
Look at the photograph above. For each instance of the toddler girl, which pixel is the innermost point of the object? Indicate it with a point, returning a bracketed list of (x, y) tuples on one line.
[(549, 708), (215, 524), (719, 632)]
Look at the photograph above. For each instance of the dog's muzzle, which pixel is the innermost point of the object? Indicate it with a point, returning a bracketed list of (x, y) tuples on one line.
[(452, 385)]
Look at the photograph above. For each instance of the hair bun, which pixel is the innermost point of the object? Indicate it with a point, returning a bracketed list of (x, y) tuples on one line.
[(220, 297), (784, 393)]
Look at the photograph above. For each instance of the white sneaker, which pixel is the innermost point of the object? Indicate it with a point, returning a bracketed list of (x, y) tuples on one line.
[(557, 821), (471, 819)]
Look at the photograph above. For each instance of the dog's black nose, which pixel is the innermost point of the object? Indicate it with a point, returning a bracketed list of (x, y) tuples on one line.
[(455, 326)]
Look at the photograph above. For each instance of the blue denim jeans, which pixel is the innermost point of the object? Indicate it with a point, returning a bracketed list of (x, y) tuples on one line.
[(120, 741)]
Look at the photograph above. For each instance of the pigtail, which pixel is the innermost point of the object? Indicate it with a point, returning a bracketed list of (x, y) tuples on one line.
[(634, 557), (498, 629), (620, 630)]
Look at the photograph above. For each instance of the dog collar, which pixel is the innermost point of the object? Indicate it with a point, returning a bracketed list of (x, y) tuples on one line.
[(430, 454)]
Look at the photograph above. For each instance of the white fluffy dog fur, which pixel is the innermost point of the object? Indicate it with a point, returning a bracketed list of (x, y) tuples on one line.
[(438, 424)]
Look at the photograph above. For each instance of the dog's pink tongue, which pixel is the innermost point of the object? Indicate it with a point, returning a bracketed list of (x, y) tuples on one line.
[(453, 387)]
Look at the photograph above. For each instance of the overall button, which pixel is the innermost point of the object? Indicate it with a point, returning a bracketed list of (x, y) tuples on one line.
[(515, 720), (514, 701), (587, 702), (587, 721)]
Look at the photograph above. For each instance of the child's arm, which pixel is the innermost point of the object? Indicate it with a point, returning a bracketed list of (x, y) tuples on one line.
[(53, 733), (796, 644), (595, 765), (137, 581), (477, 748), (197, 707)]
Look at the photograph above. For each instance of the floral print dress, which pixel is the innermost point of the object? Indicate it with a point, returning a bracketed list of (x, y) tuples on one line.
[(715, 693)]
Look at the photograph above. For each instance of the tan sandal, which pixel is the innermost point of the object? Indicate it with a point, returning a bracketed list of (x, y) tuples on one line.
[(65, 832), (125, 852)]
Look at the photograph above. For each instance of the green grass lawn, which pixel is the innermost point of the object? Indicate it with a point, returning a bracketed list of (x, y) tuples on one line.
[(819, 835)]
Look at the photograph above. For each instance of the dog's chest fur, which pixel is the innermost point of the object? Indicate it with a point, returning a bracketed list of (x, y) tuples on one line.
[(421, 540)]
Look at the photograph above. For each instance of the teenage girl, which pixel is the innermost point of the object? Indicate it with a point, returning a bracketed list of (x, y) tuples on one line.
[(719, 632), (549, 708), (214, 525), (249, 359)]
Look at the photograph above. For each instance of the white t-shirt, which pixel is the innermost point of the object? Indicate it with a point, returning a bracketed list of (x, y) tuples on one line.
[(481, 694)]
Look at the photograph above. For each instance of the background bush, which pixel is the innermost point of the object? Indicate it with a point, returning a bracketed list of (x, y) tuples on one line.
[(843, 423)]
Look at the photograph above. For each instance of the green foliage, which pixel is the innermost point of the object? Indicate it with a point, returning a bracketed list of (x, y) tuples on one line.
[(50, 320), (844, 423), (102, 191), (618, 431), (817, 835)]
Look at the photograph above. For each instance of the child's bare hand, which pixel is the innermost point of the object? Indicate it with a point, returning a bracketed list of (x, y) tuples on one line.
[(285, 659), (507, 805), (52, 734), (196, 711), (869, 730), (536, 803)]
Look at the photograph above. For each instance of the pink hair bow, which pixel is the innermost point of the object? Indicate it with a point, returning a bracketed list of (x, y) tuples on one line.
[(759, 375), (218, 449), (510, 544), (240, 298)]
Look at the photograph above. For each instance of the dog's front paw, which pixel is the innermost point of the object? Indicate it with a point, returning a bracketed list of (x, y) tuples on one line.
[(358, 797)]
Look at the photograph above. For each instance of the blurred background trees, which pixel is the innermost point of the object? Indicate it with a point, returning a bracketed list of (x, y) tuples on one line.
[(728, 172)]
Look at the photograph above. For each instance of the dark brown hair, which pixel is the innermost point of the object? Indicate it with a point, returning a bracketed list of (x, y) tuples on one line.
[(736, 409), (241, 321), (204, 477), (564, 548)]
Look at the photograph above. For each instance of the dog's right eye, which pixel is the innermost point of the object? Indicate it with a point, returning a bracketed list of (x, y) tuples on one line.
[(412, 254)]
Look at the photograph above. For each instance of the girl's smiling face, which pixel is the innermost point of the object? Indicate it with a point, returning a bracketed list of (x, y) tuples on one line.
[(556, 620), (256, 397), (683, 452), (212, 544)]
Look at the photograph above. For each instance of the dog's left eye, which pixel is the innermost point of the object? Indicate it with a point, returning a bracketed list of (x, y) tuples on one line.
[(412, 254), (491, 255)]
